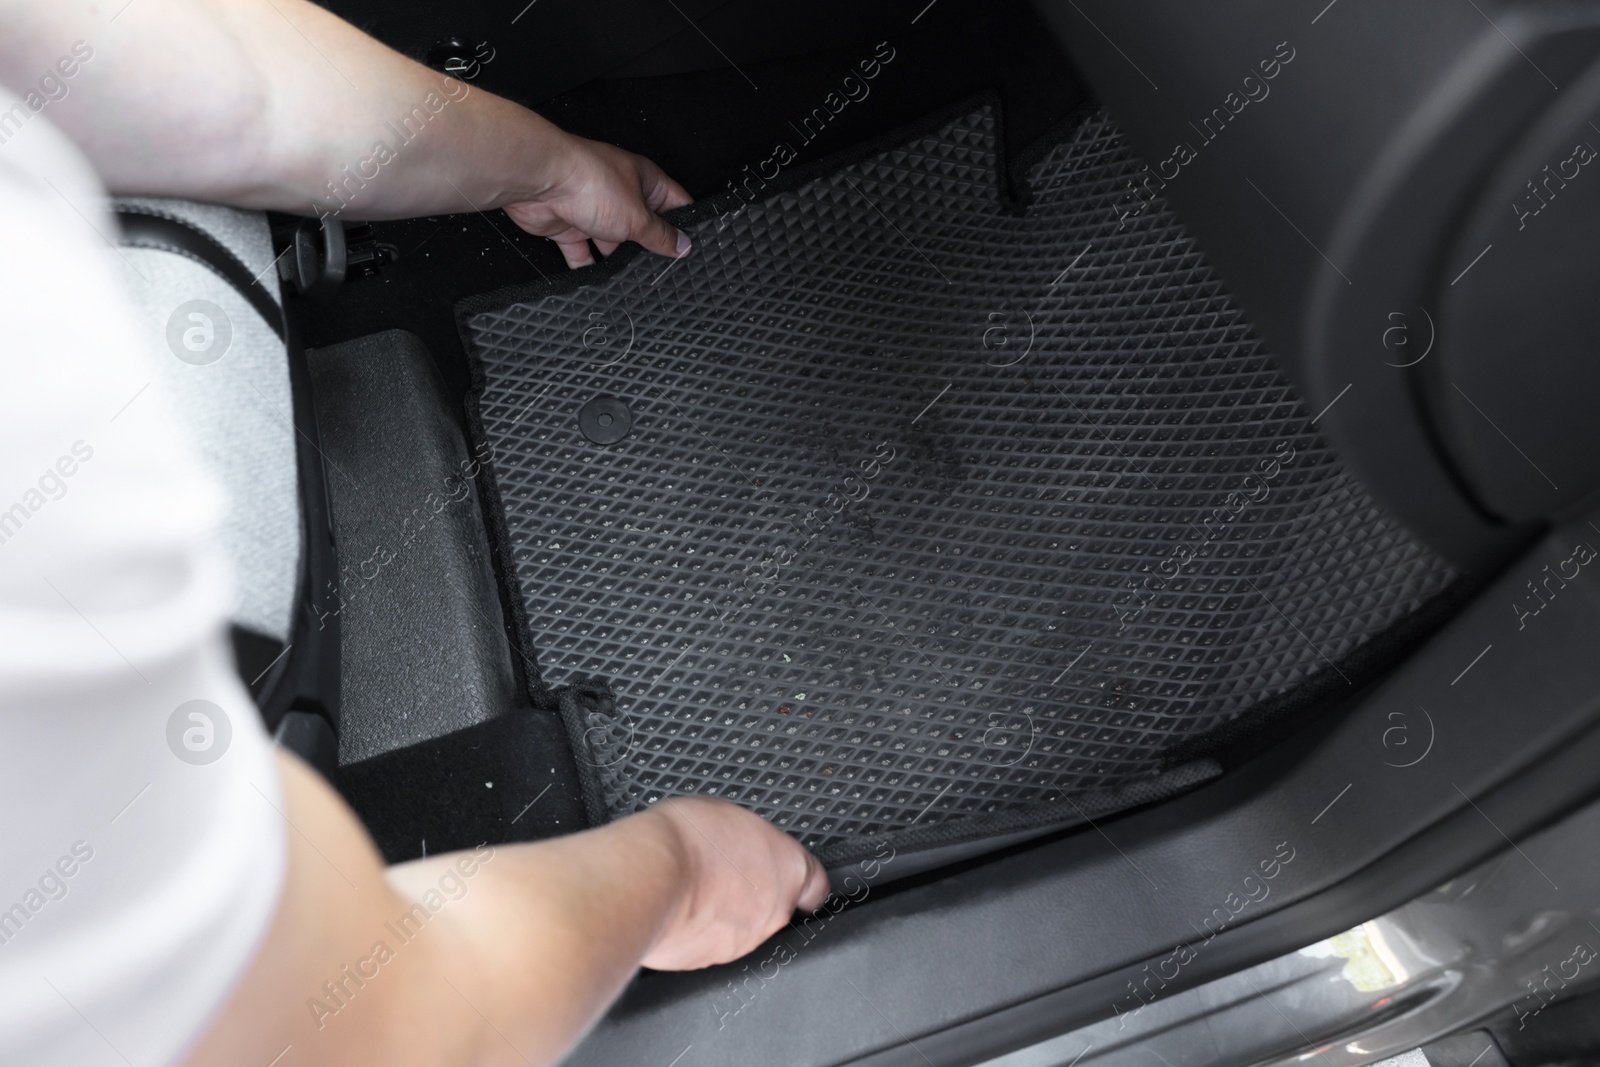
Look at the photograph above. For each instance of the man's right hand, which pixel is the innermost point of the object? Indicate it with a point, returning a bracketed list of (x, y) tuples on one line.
[(527, 952), (603, 194), (744, 878)]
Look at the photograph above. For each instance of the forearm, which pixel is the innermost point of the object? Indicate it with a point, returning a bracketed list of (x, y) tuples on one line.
[(274, 104), (554, 930), (525, 950)]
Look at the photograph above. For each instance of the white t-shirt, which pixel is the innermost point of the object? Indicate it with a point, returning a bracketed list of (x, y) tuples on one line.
[(142, 848)]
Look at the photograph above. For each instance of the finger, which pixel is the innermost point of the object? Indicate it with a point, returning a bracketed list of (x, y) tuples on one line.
[(575, 250), (815, 888), (661, 193), (660, 236), (606, 247)]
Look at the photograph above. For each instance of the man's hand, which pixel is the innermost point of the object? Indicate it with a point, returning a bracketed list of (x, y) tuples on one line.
[(744, 879), (606, 195), (280, 104), (534, 942)]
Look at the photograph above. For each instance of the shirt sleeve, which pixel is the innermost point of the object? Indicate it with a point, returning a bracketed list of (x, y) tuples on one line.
[(143, 848)]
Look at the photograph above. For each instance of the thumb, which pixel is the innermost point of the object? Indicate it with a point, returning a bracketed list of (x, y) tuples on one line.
[(659, 236), (815, 889)]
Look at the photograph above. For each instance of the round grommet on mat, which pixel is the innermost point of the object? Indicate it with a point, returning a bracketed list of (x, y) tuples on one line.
[(605, 420)]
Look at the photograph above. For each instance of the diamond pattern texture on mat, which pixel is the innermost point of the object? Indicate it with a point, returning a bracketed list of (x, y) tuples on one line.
[(929, 509)]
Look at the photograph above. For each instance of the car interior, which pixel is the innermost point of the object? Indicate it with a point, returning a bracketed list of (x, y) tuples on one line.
[(1116, 481)]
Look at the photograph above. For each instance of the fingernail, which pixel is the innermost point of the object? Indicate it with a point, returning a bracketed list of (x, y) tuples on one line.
[(683, 244)]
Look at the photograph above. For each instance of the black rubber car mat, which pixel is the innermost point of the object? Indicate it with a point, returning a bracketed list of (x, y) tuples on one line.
[(899, 510)]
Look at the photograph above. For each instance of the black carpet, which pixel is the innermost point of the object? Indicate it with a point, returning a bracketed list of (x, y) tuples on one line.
[(494, 782), (900, 510)]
